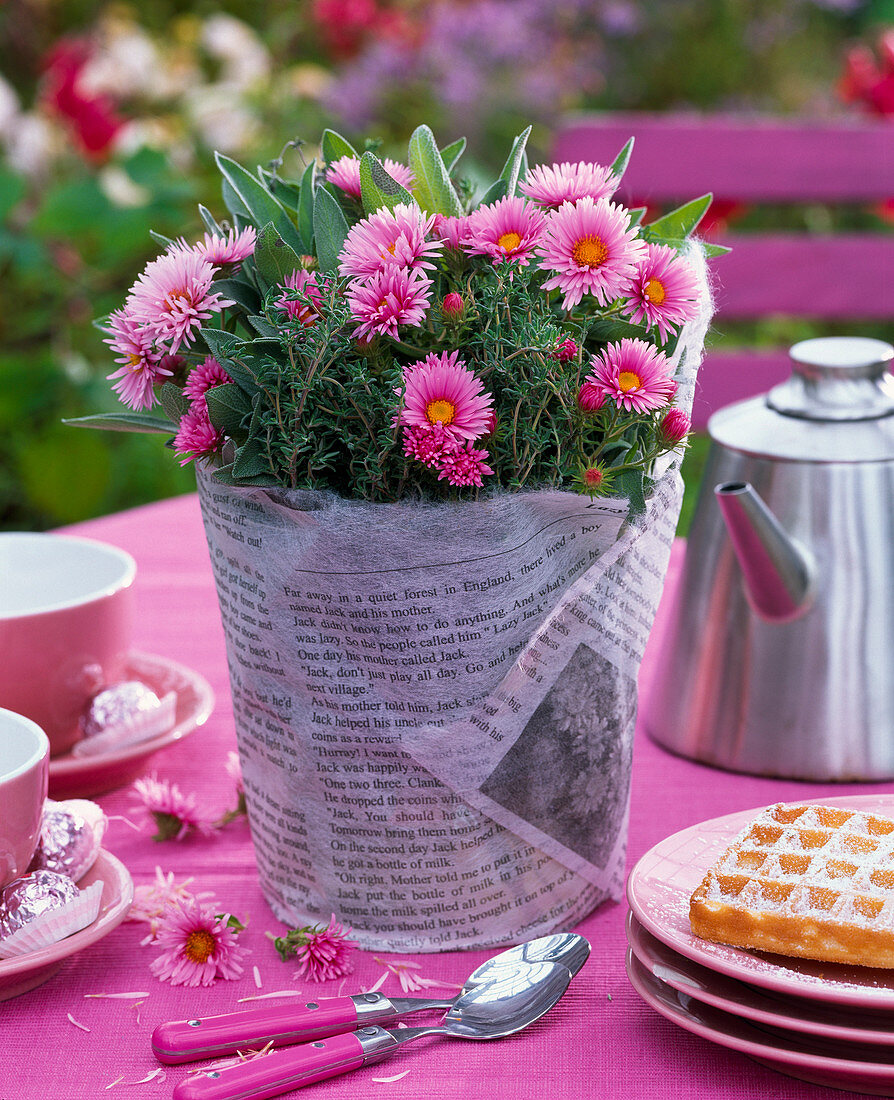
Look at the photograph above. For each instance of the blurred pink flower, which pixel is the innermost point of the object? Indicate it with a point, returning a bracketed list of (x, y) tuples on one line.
[(203, 377), (442, 390), (634, 374), (173, 812), (197, 946), (664, 291), (141, 363), (173, 296), (345, 173), (592, 250), (323, 953), (150, 900), (389, 239), (509, 229), (550, 185), (393, 297)]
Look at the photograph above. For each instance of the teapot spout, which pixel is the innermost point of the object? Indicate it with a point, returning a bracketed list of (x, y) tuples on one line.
[(778, 573)]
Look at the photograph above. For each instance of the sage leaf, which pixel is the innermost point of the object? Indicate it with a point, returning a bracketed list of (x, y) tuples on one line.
[(274, 259), (333, 147), (306, 206), (681, 221), (173, 401), (330, 230), (432, 187), (124, 422), (259, 204), (515, 162), (619, 164), (378, 189), (227, 407), (451, 153)]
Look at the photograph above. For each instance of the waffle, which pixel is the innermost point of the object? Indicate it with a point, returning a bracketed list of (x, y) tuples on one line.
[(812, 881)]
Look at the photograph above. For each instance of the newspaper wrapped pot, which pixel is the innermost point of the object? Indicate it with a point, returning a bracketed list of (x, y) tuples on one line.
[(435, 702)]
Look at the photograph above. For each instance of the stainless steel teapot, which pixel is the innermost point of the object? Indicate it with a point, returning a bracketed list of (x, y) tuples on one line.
[(778, 656)]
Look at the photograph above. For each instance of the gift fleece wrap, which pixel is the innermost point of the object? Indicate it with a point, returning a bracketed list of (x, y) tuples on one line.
[(435, 702)]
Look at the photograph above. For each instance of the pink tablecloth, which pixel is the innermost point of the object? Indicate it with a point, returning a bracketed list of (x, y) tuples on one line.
[(600, 1041)]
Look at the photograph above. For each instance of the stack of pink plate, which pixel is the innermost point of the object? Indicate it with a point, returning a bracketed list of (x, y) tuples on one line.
[(822, 1022)]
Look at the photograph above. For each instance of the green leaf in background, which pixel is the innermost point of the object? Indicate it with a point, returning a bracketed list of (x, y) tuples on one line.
[(715, 249), (227, 407), (262, 207), (66, 477), (274, 259), (251, 461), (682, 221), (242, 293), (173, 401), (286, 191), (451, 153), (619, 164), (221, 344), (231, 199), (210, 221), (263, 327), (161, 238), (378, 189), (12, 191), (631, 484), (124, 422), (515, 162), (333, 147), (636, 215), (494, 193), (330, 230), (432, 187), (306, 206)]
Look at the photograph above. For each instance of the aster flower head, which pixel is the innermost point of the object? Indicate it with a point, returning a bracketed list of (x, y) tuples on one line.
[(452, 306), (175, 814), (592, 249), (464, 465), (674, 427), (441, 389), (389, 238), (634, 374), (151, 899), (307, 308), (595, 480), (393, 297), (549, 185), (196, 436), (142, 364), (322, 951), (509, 229), (231, 248), (203, 377), (664, 290), (173, 296), (197, 946), (427, 443), (565, 350), (344, 173), (452, 231), (591, 398)]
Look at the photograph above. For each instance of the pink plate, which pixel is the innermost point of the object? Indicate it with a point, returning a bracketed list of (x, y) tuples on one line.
[(769, 1009), (85, 776), (661, 883), (849, 1066), (24, 972)]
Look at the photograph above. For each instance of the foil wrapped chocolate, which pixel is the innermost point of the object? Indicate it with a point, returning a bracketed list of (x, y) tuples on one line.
[(124, 714), (71, 835), (41, 908)]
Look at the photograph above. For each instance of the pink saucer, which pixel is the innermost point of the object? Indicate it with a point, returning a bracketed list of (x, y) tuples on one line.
[(748, 1001), (661, 883), (848, 1066), (85, 776), (24, 972)]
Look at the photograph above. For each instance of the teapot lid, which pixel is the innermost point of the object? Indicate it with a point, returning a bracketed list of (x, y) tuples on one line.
[(836, 406)]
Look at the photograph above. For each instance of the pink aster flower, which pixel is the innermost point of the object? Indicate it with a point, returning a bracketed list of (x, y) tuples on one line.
[(345, 174), (197, 946), (634, 374), (142, 366), (208, 374), (150, 900), (174, 813), (393, 297), (565, 350), (307, 310), (664, 291), (232, 248), (591, 398), (550, 185), (674, 427), (453, 306), (464, 465), (592, 250), (173, 297), (322, 951), (427, 443), (452, 231), (442, 390), (509, 229), (196, 435), (388, 239)]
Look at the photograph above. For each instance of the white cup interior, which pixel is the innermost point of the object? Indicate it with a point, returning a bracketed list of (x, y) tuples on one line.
[(22, 744), (43, 572)]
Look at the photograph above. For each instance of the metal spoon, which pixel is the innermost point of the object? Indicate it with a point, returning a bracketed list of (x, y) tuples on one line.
[(509, 1002), (214, 1036)]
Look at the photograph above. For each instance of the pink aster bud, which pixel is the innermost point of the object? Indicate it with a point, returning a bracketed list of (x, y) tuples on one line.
[(591, 398), (453, 306), (594, 476), (565, 351), (674, 427)]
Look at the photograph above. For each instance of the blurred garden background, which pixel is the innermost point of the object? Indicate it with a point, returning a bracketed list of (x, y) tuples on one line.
[(110, 113)]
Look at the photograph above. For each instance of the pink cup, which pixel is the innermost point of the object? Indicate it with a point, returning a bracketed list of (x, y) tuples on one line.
[(24, 772), (66, 610)]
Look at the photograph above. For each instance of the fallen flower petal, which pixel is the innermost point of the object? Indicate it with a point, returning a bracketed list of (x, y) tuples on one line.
[(375, 988), (257, 975), (117, 1081), (155, 1075), (72, 1020), (118, 996), (389, 1080), (267, 996)]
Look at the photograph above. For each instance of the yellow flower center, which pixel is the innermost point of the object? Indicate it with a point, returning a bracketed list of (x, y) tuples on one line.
[(199, 946), (628, 380), (442, 411), (134, 361), (509, 242), (589, 252), (390, 249), (654, 291)]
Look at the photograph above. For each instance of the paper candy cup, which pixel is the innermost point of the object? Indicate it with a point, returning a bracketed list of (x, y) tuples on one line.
[(55, 925)]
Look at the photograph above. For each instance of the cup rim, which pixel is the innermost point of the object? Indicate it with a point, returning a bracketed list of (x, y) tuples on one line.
[(125, 580), (42, 750)]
